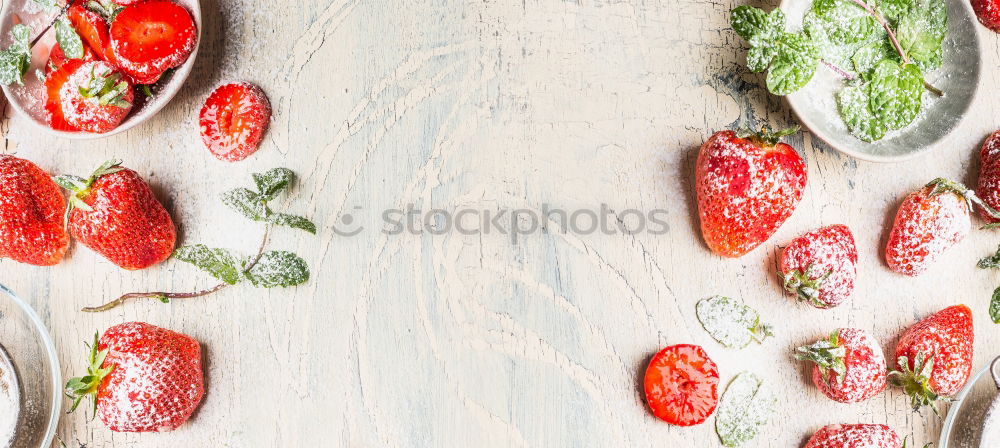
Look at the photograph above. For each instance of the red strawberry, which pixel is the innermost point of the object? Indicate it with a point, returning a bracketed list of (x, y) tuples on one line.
[(54, 84), (150, 37), (96, 98), (143, 378), (820, 266), (31, 214), (988, 188), (928, 222), (849, 365), (116, 214), (57, 58), (855, 436), (748, 185), (988, 12), (682, 385), (91, 27), (934, 356), (233, 121)]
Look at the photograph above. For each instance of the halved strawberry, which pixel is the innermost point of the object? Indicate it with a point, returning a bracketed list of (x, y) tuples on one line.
[(681, 385), (96, 98), (57, 58), (54, 83), (233, 120), (150, 37), (91, 27)]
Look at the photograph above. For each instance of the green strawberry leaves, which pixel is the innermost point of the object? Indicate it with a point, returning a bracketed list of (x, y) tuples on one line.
[(730, 322), (789, 58), (107, 87), (828, 354), (271, 269), (745, 407), (253, 204), (105, 8), (80, 387), (890, 98)]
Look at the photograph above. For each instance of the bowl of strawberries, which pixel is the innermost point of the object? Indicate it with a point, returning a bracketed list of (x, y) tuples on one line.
[(86, 69)]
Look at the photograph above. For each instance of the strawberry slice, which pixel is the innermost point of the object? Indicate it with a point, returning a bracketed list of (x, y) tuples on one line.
[(150, 37), (53, 88), (681, 385), (91, 27), (57, 58), (233, 121)]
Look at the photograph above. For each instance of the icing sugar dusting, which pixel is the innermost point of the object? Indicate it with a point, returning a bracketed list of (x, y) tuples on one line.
[(10, 402), (926, 226), (855, 436), (991, 426), (828, 252), (866, 374)]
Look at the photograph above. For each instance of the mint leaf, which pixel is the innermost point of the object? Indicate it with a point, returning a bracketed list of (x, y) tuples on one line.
[(839, 28), (995, 306), (890, 99), (867, 57), (49, 6), (756, 26), (14, 61), (794, 64), (990, 262), (246, 203), (293, 221), (892, 9), (921, 33), (272, 182), (278, 268), (730, 322), (22, 40), (745, 407), (217, 262), (69, 42)]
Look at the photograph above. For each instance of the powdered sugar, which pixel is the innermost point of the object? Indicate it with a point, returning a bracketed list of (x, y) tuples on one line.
[(855, 436), (828, 256), (991, 426), (926, 226), (865, 374), (746, 406), (730, 322), (10, 401)]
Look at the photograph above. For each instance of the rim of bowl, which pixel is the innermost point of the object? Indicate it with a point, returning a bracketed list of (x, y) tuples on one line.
[(949, 421), (163, 98), (50, 350), (964, 115)]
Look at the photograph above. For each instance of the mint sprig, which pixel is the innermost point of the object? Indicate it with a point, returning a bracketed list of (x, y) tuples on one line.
[(254, 204), (14, 61), (890, 98), (69, 41), (789, 58)]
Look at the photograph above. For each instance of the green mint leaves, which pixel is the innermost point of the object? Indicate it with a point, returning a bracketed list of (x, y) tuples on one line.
[(789, 58), (272, 269), (69, 41), (14, 61), (253, 204), (995, 306), (745, 407), (885, 85), (730, 322)]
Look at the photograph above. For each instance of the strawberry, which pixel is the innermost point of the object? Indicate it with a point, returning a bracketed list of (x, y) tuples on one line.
[(96, 98), (681, 385), (820, 267), (934, 356), (31, 214), (988, 188), (855, 436), (142, 378), (849, 365), (115, 213), (928, 222), (233, 121), (57, 58), (91, 27), (147, 38), (988, 12), (54, 84), (747, 184)]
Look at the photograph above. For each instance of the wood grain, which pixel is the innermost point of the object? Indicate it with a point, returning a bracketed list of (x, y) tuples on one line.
[(470, 340)]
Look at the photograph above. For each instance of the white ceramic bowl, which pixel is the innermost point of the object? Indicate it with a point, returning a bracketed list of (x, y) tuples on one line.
[(28, 100), (959, 75), (964, 424), (26, 343)]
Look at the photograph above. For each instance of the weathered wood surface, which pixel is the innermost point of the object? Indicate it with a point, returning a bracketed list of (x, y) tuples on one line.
[(458, 340)]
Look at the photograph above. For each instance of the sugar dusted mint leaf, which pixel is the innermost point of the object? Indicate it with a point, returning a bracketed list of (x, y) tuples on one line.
[(892, 9), (293, 221), (839, 28), (21, 35), (854, 108), (990, 262), (272, 182), (995, 306), (921, 33), (890, 99), (246, 203), (867, 57), (217, 262), (745, 407), (756, 26), (49, 6), (794, 64), (12, 67), (69, 42), (758, 58), (278, 268), (730, 322)]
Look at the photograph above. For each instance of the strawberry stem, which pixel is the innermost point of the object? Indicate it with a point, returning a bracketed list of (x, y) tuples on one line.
[(942, 185), (766, 136), (166, 297)]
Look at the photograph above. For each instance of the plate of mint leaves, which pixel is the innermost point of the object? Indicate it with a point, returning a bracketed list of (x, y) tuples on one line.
[(880, 80)]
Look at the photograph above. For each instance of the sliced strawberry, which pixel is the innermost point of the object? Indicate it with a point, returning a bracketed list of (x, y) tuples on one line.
[(53, 87), (233, 121), (91, 27), (57, 58), (96, 98), (681, 385), (150, 37)]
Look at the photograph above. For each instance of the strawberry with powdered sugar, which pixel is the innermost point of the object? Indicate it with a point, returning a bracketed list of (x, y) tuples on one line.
[(820, 267), (855, 436), (934, 356), (988, 187), (747, 184), (849, 365)]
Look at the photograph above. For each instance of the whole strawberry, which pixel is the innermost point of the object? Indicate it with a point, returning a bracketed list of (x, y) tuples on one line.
[(142, 378), (115, 213), (31, 214), (747, 184), (988, 187), (820, 267), (855, 436), (934, 356), (849, 365), (928, 222)]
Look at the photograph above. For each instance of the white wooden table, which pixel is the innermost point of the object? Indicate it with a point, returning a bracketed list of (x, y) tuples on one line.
[(470, 340)]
